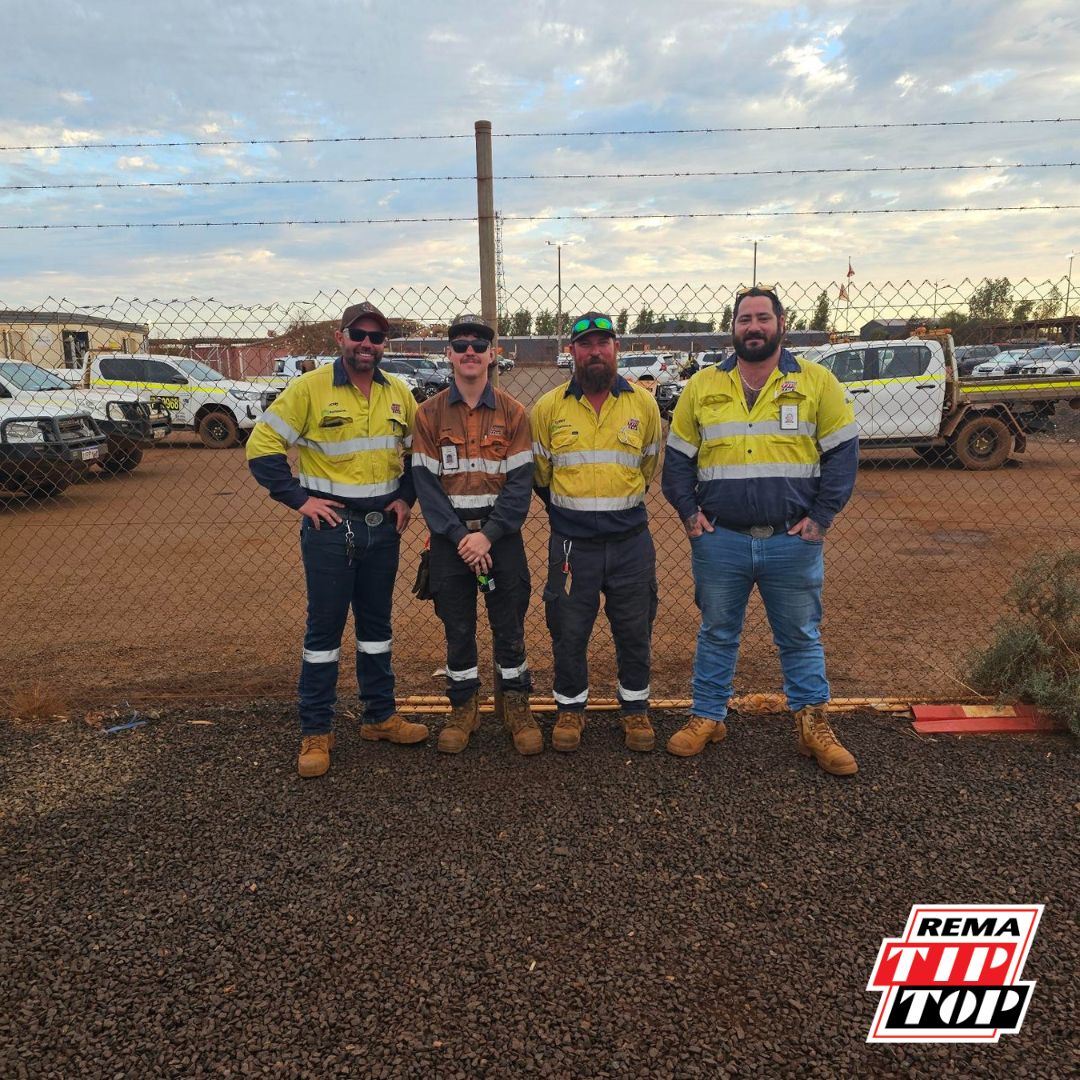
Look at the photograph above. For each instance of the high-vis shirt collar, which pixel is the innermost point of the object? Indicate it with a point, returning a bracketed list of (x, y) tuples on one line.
[(486, 398), (787, 363), (341, 376), (617, 387)]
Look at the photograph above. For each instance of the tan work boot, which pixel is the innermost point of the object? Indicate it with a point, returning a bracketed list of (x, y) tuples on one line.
[(816, 739), (695, 735), (639, 732), (315, 754), (566, 734), (464, 720), (522, 725), (396, 729)]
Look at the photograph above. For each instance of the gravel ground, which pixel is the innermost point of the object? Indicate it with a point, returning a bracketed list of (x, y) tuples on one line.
[(174, 901)]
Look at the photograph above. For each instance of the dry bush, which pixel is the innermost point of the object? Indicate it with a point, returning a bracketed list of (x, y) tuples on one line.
[(35, 702)]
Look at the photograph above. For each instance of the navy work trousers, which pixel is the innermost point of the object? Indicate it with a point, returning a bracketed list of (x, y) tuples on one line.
[(453, 585), (342, 574), (624, 571)]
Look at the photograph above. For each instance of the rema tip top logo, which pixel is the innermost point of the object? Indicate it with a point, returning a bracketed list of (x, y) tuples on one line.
[(954, 975)]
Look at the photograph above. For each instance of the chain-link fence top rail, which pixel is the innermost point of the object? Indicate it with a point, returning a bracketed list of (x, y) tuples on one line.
[(142, 565)]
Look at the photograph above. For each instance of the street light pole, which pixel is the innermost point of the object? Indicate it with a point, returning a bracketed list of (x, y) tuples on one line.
[(558, 246), (753, 275), (1068, 293)]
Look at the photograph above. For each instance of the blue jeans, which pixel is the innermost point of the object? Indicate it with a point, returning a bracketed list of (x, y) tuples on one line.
[(334, 583), (789, 573)]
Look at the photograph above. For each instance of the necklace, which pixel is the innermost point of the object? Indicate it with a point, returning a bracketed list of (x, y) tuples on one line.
[(749, 385)]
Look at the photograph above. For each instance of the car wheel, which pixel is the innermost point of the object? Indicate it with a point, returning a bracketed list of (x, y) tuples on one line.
[(218, 430), (983, 442), (122, 459)]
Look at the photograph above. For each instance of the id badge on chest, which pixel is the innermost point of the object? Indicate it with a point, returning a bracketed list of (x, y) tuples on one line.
[(789, 417), (449, 458)]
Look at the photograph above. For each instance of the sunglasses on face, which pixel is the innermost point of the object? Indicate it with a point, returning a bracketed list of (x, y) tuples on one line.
[(376, 337), (769, 290), (461, 347), (592, 324)]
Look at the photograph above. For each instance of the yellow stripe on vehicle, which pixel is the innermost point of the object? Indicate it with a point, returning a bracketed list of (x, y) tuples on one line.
[(997, 388)]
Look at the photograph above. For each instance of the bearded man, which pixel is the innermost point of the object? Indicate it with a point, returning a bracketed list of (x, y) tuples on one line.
[(761, 457), (596, 445)]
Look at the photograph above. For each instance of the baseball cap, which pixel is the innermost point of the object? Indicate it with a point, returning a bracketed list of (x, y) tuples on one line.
[(359, 311), (465, 323), (591, 322)]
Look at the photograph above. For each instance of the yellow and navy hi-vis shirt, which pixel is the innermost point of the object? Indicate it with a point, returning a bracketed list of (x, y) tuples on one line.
[(349, 447), (592, 469), (794, 454)]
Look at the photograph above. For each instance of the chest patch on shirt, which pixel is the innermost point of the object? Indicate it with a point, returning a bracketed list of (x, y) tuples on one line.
[(496, 429), (395, 408), (787, 386), (632, 423)]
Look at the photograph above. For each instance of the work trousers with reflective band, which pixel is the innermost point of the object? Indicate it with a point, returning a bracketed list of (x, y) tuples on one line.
[(624, 571), (453, 585), (334, 583), (789, 573)]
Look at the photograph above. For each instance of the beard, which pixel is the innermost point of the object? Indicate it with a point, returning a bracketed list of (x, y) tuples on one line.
[(595, 377), (360, 362), (759, 347)]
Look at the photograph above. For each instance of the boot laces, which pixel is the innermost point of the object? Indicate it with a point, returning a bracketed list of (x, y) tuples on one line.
[(636, 721), (819, 725), (459, 717), (697, 725)]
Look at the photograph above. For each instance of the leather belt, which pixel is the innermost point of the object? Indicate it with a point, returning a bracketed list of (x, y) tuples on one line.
[(758, 532), (368, 517)]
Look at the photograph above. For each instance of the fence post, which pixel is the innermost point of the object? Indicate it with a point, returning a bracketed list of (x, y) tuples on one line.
[(485, 220)]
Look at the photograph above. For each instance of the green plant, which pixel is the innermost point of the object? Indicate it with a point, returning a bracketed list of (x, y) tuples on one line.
[(1035, 655)]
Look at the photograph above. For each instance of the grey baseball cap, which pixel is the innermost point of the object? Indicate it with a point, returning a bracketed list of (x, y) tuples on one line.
[(465, 324)]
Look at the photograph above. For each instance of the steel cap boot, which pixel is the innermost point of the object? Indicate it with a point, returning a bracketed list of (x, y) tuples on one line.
[(464, 720), (639, 732), (816, 739), (566, 734), (695, 735), (314, 757), (396, 729), (522, 725)]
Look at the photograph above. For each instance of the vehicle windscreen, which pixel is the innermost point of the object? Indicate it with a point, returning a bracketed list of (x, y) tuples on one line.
[(28, 377), (198, 371)]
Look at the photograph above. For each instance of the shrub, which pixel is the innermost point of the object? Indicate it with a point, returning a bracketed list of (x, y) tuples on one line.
[(1035, 655)]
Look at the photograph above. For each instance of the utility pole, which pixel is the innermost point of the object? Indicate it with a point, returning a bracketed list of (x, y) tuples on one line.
[(558, 246), (1068, 296)]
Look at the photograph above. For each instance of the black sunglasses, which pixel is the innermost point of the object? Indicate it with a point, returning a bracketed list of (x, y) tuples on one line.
[(376, 337), (597, 324), (461, 347)]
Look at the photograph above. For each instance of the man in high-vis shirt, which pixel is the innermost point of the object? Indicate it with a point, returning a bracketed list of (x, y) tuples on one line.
[(351, 426), (472, 467), (596, 442), (761, 457)]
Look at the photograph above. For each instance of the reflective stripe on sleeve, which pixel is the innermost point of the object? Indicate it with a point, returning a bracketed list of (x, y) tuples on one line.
[(751, 472), (567, 503), (422, 461), (464, 675), (321, 656), (515, 461), (372, 648), (754, 428), (631, 695), (348, 491), (275, 423), (596, 457), (578, 699), (539, 450), (835, 438), (651, 450), (512, 672), (675, 443)]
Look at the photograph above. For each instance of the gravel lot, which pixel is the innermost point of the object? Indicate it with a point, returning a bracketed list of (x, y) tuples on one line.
[(176, 902)]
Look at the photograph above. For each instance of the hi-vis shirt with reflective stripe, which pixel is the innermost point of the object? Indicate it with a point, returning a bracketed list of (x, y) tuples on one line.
[(349, 447), (592, 470), (795, 453)]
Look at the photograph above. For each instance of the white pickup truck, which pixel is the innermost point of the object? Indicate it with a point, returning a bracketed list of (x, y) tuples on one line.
[(45, 447), (129, 425), (196, 396), (907, 394)]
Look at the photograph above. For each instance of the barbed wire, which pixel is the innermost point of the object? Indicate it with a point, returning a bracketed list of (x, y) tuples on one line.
[(312, 140), (545, 217), (540, 176)]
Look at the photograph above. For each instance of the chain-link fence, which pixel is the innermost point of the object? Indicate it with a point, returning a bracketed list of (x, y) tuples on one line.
[(142, 562)]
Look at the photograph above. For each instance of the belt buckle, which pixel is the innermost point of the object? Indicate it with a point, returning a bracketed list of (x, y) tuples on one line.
[(761, 532), (373, 518), (474, 524)]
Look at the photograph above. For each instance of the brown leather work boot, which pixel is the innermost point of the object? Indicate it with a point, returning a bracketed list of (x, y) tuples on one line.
[(639, 732), (396, 729), (816, 739), (695, 735), (315, 754), (566, 735), (464, 720), (522, 725)]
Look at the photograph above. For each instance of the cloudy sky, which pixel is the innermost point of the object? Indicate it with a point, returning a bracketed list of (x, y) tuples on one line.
[(106, 71)]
